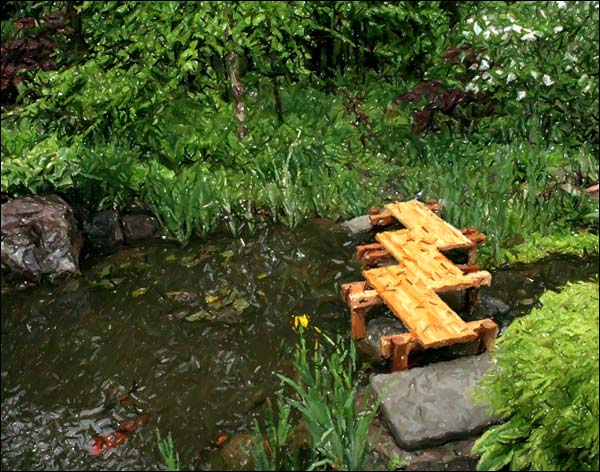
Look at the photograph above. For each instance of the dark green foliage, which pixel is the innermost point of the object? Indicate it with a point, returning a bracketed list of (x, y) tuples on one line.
[(141, 104), (545, 386)]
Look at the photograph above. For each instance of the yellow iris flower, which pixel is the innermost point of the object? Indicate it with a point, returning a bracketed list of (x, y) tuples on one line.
[(301, 320)]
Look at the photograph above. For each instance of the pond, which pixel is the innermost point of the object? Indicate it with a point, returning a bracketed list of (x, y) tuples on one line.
[(192, 336)]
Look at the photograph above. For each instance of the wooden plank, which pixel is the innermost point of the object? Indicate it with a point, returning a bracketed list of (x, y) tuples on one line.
[(468, 280), (487, 330), (386, 343), (424, 261), (371, 254), (357, 323), (427, 226), (401, 347), (352, 287), (421, 310), (382, 219), (473, 234), (364, 248), (420, 259), (364, 299)]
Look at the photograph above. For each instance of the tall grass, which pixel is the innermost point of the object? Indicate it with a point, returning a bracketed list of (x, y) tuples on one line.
[(508, 191)]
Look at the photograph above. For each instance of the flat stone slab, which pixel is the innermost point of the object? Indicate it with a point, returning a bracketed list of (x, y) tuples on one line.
[(360, 224), (431, 405)]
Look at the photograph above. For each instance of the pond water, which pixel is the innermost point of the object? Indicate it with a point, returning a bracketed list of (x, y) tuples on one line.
[(195, 334)]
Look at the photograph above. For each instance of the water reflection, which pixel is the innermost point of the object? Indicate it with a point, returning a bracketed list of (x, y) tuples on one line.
[(70, 350)]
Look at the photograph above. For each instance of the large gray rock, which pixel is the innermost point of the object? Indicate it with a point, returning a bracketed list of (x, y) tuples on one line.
[(104, 230), (383, 326), (360, 224), (489, 307), (139, 226), (431, 405), (39, 238)]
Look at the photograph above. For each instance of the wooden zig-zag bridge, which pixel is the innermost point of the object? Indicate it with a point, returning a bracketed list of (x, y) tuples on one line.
[(410, 287)]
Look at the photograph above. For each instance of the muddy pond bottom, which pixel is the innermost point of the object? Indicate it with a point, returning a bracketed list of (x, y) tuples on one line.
[(187, 339)]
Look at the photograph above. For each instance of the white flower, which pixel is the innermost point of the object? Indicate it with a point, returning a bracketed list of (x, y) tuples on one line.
[(582, 78), (570, 57), (517, 28), (558, 29), (477, 29), (528, 37), (510, 77), (561, 5), (535, 74), (486, 76), (470, 20), (547, 80), (499, 71), (586, 89), (471, 87), (485, 65), (521, 94)]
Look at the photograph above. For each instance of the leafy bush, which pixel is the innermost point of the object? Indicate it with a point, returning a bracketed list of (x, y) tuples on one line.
[(512, 69), (537, 247), (545, 386), (325, 134)]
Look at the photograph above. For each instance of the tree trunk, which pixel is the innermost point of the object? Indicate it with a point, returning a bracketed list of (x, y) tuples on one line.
[(78, 44), (237, 87), (278, 104)]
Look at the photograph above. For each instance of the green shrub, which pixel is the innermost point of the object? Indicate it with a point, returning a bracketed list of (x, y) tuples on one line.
[(545, 387), (537, 246), (537, 66)]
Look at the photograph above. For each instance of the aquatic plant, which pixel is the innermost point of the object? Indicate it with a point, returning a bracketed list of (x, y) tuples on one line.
[(323, 393), (167, 451), (545, 387)]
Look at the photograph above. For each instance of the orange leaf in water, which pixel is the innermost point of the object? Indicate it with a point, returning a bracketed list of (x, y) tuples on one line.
[(222, 439)]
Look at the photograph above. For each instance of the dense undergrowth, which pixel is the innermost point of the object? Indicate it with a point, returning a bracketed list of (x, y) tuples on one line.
[(545, 387), (494, 111)]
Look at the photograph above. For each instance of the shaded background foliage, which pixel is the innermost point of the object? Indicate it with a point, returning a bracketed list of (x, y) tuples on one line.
[(303, 108)]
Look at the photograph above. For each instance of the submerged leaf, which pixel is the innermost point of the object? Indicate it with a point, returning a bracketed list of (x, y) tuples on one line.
[(240, 304), (182, 296), (200, 315), (227, 254), (139, 292)]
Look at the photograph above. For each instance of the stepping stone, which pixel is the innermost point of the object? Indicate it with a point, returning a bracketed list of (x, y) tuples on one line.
[(360, 224), (431, 405)]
